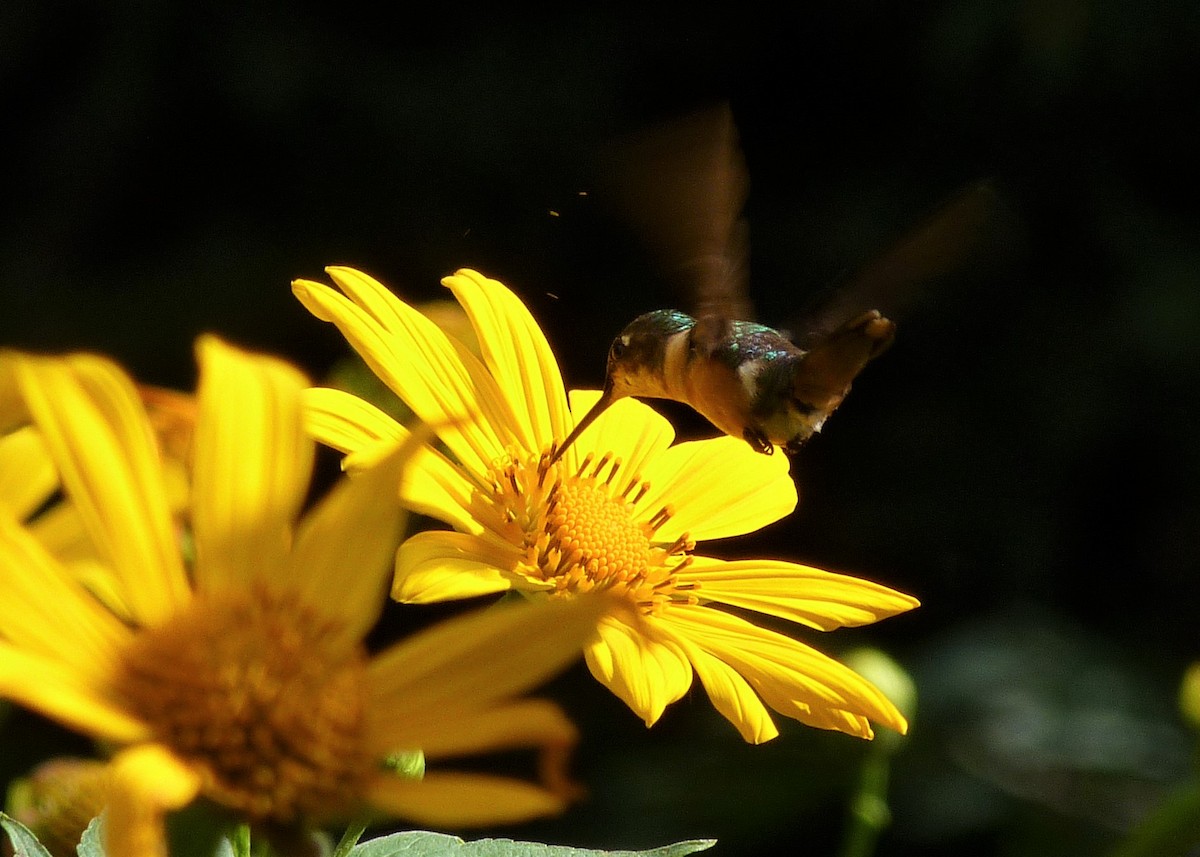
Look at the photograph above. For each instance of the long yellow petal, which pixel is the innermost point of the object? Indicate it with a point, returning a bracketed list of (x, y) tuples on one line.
[(462, 800), (46, 611), (819, 599), (718, 487), (96, 429), (646, 672), (731, 695), (431, 485), (12, 407), (27, 474), (472, 661), (65, 694), (518, 355), (629, 429), (341, 561), (148, 782), (252, 464), (520, 724), (443, 383), (792, 678), (438, 566)]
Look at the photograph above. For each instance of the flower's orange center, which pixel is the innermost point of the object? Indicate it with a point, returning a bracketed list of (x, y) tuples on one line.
[(584, 530), (263, 696)]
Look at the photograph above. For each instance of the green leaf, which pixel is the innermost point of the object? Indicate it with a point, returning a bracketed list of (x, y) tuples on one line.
[(23, 841), (419, 843), (92, 842)]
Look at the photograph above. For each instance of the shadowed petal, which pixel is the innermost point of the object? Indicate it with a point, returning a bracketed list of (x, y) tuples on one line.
[(524, 723), (459, 800), (148, 782), (820, 599), (647, 672)]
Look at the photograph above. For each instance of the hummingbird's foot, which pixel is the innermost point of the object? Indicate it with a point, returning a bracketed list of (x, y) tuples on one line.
[(759, 441)]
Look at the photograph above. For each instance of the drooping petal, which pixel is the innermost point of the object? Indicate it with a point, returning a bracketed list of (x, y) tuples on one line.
[(462, 800), (66, 694), (97, 431), (647, 672), (252, 464), (717, 488), (148, 782), (46, 611), (520, 724), (731, 695), (431, 485), (443, 383), (629, 429), (472, 661), (792, 678), (820, 599), (27, 474), (438, 566), (515, 350)]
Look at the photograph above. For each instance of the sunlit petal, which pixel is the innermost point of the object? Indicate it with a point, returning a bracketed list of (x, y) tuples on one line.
[(517, 354), (344, 421), (442, 566), (462, 800), (718, 487), (148, 781), (252, 464), (95, 427), (27, 474), (631, 430), (647, 672), (820, 599), (731, 695)]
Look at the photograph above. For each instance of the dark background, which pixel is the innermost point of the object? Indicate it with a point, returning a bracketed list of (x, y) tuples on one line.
[(1023, 459)]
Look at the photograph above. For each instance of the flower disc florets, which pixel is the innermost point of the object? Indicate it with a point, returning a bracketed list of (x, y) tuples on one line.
[(264, 696), (580, 529)]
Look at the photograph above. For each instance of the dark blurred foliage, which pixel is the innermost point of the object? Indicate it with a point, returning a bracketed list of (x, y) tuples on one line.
[(1023, 459)]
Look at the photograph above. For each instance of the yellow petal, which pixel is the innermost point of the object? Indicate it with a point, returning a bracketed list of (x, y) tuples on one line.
[(431, 485), (148, 782), (717, 488), (47, 612), (731, 695), (27, 475), (520, 724), (12, 408), (820, 599), (792, 678), (63, 693), (341, 560), (443, 383), (96, 429), (629, 429), (441, 566), (473, 661), (646, 673), (517, 354), (461, 800), (252, 464)]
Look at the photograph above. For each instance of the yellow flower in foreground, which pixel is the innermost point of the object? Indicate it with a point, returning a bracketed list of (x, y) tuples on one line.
[(620, 511), (243, 678)]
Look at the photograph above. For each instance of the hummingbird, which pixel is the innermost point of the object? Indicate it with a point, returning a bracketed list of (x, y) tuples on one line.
[(684, 186)]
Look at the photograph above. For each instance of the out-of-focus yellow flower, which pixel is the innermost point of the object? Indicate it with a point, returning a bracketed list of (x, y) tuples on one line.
[(242, 677), (620, 511)]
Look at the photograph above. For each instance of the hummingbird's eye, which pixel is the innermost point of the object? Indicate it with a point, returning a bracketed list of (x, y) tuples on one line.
[(618, 349)]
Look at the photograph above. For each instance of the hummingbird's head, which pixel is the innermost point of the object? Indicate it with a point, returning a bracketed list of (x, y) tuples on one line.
[(637, 357)]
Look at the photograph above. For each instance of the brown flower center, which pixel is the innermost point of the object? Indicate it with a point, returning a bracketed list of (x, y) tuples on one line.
[(582, 530), (263, 696)]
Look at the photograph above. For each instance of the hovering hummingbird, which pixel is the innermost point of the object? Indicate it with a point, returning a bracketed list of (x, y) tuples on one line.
[(686, 183)]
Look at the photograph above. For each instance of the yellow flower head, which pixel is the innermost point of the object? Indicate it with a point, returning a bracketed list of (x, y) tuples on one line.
[(242, 677), (620, 511)]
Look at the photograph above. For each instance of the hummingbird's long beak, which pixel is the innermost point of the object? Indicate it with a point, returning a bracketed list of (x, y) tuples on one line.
[(606, 398)]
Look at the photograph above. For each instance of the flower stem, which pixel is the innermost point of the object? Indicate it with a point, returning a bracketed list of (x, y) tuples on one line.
[(869, 814), (350, 838)]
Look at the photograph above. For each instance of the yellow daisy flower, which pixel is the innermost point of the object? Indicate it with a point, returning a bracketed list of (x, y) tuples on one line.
[(621, 511), (243, 678)]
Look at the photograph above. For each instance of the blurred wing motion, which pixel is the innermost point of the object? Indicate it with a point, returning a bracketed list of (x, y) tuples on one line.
[(682, 186)]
